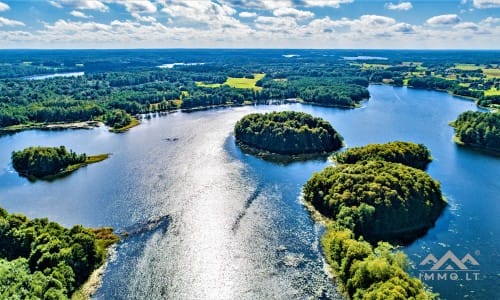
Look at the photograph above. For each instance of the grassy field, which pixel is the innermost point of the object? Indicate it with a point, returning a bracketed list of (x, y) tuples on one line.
[(492, 92), (492, 73), (208, 85), (375, 66), (238, 83), (467, 67)]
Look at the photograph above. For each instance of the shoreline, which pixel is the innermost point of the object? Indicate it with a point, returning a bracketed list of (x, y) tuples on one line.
[(280, 158), (94, 282), (475, 147), (136, 122), (51, 126)]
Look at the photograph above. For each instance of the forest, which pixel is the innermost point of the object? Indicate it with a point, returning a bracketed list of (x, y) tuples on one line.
[(381, 200), (287, 133), (118, 84), (46, 162), (40, 259), (371, 200), (410, 154), (478, 130)]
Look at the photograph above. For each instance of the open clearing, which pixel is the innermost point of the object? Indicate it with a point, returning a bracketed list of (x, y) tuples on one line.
[(237, 82)]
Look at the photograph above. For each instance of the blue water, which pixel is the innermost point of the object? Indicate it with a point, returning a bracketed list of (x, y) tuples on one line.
[(236, 226), (47, 76)]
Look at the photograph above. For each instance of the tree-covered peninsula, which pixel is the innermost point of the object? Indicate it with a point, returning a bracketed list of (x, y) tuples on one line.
[(40, 259), (49, 162), (410, 154), (478, 130), (368, 202), (287, 133)]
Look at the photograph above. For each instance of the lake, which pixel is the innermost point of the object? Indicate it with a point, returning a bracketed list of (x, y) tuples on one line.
[(47, 76), (236, 228)]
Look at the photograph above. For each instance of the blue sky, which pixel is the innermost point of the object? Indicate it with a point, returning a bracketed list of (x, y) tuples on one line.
[(417, 24)]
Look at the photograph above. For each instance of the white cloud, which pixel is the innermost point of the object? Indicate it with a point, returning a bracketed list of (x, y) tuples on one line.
[(404, 28), (374, 20), (467, 26), (148, 19), (324, 3), (213, 14), (450, 19), (246, 14), (275, 23), (490, 20), (292, 12), (79, 14), (9, 22), (400, 6), (80, 4), (486, 3), (4, 6), (137, 6), (259, 4)]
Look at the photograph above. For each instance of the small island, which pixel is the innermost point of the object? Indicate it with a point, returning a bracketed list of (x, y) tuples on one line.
[(50, 162), (406, 153), (478, 130), (372, 197), (40, 259), (120, 121), (287, 133), (383, 200)]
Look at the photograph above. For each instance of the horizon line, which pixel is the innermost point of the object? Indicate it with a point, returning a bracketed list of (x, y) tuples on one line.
[(250, 48)]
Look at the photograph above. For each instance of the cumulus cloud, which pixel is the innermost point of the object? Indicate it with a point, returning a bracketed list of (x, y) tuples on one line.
[(325, 3), (9, 22), (272, 24), (246, 14), (491, 20), (4, 6), (486, 3), (292, 12), (80, 4), (148, 19), (375, 20), (450, 19), (259, 4), (213, 14), (79, 14), (400, 6), (137, 6), (404, 28), (467, 26)]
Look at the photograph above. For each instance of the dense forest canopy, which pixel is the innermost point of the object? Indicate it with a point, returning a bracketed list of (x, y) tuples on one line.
[(370, 198), (40, 259), (382, 200), (368, 272), (410, 154), (287, 132), (479, 129)]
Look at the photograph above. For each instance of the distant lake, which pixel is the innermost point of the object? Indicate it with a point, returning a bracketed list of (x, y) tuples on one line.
[(364, 58), (170, 66), (47, 76), (237, 228)]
